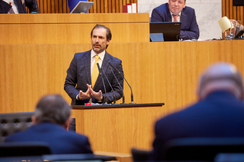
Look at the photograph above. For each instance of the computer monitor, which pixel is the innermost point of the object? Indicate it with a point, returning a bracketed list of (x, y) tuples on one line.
[(82, 7), (169, 30), (238, 2)]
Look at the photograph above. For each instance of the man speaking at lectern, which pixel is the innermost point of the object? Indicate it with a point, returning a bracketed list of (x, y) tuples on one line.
[(84, 82)]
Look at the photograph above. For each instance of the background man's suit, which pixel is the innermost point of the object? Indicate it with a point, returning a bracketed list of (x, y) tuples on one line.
[(189, 26), (31, 4), (79, 73), (60, 140), (221, 114)]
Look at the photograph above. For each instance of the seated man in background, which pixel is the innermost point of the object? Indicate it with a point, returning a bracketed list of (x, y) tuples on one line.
[(177, 11), (218, 113), (18, 6), (51, 119)]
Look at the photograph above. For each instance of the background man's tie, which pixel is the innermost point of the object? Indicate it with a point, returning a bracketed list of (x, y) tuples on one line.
[(95, 71), (175, 18)]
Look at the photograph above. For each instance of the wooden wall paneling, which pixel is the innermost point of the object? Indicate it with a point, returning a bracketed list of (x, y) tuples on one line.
[(56, 6), (120, 6), (234, 9), (170, 76), (50, 7), (44, 6), (95, 6), (157, 72), (53, 6), (227, 9), (223, 7), (124, 2), (242, 15), (41, 6), (113, 6), (109, 6), (231, 9), (65, 6), (60, 6), (92, 7), (232, 12), (238, 13), (106, 6), (117, 7), (102, 6), (98, 6), (64, 28), (47, 6)]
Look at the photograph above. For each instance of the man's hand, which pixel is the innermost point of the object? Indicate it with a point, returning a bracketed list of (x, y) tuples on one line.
[(84, 95), (97, 95)]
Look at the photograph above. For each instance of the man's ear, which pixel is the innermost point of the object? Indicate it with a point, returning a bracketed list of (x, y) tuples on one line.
[(33, 118), (67, 123)]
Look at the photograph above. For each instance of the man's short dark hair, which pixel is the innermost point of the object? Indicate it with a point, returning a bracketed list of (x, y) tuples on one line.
[(108, 32)]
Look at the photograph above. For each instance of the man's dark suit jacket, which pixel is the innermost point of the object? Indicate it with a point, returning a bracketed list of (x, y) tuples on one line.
[(221, 114), (189, 26), (79, 74), (31, 4), (60, 140)]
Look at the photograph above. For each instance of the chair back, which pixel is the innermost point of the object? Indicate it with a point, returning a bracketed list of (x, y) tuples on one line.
[(24, 149), (14, 122), (201, 149), (139, 155)]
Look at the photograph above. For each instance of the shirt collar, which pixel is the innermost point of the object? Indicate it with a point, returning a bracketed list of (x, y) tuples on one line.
[(172, 13), (101, 55)]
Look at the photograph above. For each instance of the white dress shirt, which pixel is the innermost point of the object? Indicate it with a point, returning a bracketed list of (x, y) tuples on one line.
[(14, 7)]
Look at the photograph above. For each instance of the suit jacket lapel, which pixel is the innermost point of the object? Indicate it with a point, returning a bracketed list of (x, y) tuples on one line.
[(168, 17), (183, 19), (105, 62), (87, 63)]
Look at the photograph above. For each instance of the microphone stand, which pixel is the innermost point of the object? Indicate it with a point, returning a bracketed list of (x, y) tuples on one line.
[(109, 85), (123, 97), (125, 80), (105, 93)]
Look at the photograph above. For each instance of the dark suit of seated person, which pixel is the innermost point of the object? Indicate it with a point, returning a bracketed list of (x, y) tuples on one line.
[(177, 11), (218, 113), (51, 119), (18, 6)]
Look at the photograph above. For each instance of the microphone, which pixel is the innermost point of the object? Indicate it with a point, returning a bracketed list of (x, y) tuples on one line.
[(123, 97), (109, 84), (105, 95), (125, 80)]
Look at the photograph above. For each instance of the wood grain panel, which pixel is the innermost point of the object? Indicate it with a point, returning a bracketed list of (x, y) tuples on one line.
[(232, 12), (159, 70), (71, 28), (119, 129), (165, 72)]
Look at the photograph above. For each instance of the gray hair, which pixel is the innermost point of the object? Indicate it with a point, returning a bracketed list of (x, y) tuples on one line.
[(220, 76), (52, 108)]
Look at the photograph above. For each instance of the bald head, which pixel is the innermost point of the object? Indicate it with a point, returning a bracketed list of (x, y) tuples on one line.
[(220, 76)]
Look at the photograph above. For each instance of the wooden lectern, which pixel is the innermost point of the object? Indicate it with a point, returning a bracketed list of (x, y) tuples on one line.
[(118, 128)]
